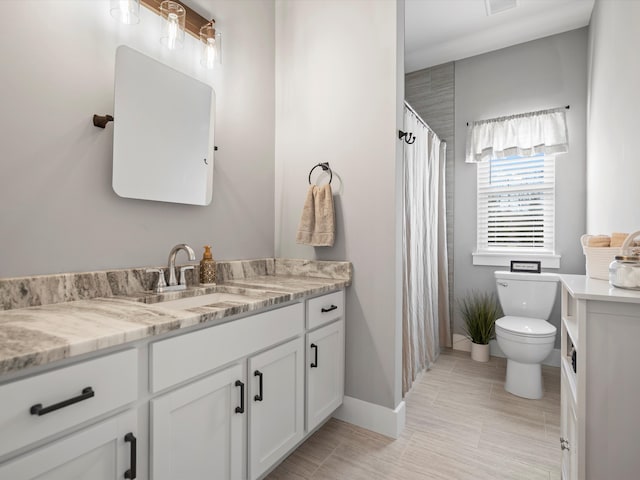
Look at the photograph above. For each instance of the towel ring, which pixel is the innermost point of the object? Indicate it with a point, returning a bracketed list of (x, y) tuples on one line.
[(325, 167)]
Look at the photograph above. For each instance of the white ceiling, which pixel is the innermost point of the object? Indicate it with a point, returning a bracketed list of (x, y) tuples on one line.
[(439, 31)]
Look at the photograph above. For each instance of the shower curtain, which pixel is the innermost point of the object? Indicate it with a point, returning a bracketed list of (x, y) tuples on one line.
[(425, 306)]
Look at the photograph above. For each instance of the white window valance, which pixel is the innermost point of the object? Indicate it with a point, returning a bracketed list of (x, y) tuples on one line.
[(525, 134)]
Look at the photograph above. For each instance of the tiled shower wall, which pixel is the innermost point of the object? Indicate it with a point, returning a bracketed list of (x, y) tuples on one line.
[(431, 93)]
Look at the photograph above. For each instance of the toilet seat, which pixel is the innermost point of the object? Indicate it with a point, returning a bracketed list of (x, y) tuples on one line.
[(525, 329)]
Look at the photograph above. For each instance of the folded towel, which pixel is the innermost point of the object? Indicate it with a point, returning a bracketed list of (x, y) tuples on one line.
[(598, 241), (617, 239), (317, 224)]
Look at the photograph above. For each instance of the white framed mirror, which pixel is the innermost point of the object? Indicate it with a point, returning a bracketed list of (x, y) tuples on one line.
[(163, 132)]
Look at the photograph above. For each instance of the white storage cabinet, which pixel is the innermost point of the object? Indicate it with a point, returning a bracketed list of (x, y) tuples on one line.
[(600, 425)]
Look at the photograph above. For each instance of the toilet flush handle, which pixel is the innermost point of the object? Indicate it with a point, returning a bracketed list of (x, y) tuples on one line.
[(503, 284)]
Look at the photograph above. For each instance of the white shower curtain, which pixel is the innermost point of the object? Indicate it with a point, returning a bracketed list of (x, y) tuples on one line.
[(425, 305)]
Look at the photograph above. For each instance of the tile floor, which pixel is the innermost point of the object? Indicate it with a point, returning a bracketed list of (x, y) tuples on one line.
[(461, 425)]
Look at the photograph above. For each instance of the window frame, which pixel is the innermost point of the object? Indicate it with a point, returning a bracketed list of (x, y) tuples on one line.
[(502, 256)]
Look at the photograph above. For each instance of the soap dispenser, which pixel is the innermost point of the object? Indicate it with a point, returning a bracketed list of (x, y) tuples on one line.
[(207, 268)]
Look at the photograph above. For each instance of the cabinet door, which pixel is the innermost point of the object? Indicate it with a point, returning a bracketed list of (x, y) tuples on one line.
[(325, 372), (568, 433), (197, 430), (276, 391), (105, 451)]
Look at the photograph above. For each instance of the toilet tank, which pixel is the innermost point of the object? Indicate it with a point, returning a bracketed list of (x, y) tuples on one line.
[(527, 294)]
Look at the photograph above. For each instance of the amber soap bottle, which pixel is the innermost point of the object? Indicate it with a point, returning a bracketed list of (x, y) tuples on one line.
[(207, 268)]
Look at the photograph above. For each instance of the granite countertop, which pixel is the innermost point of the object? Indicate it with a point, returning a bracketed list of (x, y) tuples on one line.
[(42, 334), (585, 288)]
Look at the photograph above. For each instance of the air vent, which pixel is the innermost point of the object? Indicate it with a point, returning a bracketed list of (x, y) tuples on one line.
[(497, 6)]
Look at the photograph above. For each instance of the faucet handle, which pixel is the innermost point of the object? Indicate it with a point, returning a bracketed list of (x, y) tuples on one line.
[(161, 280), (183, 279)]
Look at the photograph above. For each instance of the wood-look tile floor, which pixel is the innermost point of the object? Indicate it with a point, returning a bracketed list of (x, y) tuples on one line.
[(461, 424)]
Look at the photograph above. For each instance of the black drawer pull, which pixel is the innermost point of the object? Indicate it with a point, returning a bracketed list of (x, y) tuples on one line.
[(330, 309), (314, 364), (258, 398), (39, 410), (240, 409), (131, 473)]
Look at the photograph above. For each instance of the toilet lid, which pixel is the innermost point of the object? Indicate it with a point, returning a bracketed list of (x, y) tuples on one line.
[(526, 326)]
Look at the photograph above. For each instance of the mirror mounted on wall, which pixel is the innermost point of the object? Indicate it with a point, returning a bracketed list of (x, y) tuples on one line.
[(163, 132)]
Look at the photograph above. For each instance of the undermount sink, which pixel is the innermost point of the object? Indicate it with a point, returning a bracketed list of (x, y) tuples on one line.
[(202, 300)]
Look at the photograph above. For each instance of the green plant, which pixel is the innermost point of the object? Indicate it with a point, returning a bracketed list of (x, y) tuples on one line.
[(479, 311)]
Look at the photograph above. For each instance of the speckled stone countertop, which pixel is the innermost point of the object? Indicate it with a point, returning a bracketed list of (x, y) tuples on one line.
[(41, 334)]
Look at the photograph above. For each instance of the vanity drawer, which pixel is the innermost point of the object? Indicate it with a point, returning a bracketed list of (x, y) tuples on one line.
[(180, 358), (325, 309), (65, 398)]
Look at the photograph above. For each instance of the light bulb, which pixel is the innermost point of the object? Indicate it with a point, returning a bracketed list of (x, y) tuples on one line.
[(210, 53), (173, 31), (211, 43)]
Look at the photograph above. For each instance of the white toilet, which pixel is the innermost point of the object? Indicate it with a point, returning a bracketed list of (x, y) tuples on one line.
[(523, 334)]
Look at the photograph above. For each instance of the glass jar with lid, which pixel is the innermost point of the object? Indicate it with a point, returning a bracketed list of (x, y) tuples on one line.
[(624, 272)]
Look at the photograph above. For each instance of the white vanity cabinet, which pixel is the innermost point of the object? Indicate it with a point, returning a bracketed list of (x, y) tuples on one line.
[(600, 425), (226, 401)]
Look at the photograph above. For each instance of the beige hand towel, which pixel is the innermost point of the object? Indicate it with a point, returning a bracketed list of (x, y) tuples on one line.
[(317, 224)]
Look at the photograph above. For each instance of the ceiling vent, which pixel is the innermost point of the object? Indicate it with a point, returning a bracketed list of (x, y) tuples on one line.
[(497, 6)]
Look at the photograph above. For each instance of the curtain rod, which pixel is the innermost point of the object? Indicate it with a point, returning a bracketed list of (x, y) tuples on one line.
[(426, 125), (517, 114)]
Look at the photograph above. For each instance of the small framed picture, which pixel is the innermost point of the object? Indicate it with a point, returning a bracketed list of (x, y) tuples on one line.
[(528, 266)]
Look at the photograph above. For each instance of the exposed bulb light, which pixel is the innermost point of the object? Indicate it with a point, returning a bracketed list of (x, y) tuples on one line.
[(173, 31), (126, 11), (172, 16), (211, 46)]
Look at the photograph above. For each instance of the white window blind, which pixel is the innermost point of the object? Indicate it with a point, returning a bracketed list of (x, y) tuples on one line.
[(516, 205)]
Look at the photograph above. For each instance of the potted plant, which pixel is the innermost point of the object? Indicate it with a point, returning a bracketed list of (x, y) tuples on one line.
[(480, 311)]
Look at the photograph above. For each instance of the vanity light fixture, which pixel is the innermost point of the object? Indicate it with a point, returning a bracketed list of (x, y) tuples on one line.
[(176, 18), (211, 45), (172, 21), (126, 11)]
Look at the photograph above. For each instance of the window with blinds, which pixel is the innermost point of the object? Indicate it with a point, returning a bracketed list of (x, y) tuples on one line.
[(516, 205)]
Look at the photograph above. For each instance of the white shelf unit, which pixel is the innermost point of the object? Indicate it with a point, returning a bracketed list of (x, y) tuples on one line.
[(600, 428)]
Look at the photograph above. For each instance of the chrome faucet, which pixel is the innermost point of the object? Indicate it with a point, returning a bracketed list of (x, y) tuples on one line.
[(172, 264), (173, 283)]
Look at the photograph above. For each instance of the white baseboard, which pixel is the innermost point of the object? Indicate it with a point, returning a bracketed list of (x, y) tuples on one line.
[(373, 417), (460, 342)]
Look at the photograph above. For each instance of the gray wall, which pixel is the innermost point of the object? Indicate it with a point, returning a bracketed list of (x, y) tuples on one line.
[(57, 208), (431, 93), (613, 168), (541, 74), (339, 91)]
